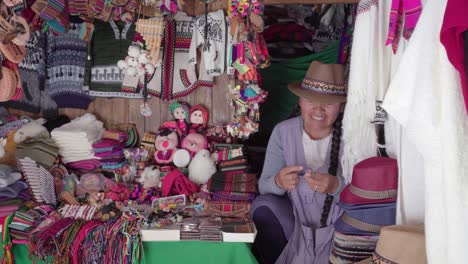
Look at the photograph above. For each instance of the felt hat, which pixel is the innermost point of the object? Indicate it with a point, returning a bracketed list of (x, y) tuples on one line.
[(365, 219), (375, 180), (402, 244), (8, 84), (323, 83), (13, 52)]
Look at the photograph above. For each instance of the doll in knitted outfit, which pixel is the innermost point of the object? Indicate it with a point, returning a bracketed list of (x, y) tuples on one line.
[(198, 119)]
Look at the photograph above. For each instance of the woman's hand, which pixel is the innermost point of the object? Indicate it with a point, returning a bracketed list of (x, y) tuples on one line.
[(322, 183), (287, 177)]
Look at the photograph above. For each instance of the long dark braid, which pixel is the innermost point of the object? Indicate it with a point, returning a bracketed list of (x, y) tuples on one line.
[(332, 170)]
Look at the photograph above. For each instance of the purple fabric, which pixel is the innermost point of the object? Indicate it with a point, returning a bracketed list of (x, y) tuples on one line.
[(269, 243), (90, 164), (106, 143), (115, 152), (13, 190), (375, 214)]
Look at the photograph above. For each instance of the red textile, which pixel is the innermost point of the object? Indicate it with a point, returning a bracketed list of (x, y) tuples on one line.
[(175, 183), (454, 25)]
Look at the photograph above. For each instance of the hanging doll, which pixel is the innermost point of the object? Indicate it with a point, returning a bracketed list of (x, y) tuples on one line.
[(166, 144), (198, 119), (180, 111)]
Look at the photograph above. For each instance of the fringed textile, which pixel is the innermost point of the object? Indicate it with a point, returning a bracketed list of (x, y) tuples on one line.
[(8, 257)]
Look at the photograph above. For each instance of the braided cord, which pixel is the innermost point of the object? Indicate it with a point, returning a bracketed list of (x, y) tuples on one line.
[(332, 170)]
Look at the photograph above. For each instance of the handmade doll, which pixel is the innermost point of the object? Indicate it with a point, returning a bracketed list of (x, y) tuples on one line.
[(217, 134), (194, 142), (180, 111), (198, 119), (166, 144)]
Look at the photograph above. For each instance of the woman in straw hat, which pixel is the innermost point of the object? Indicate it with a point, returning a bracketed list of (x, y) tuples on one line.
[(301, 177)]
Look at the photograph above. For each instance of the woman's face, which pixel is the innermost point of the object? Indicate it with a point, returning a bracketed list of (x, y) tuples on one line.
[(319, 115)]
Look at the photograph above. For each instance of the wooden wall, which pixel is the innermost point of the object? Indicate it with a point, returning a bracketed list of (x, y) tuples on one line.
[(121, 110)]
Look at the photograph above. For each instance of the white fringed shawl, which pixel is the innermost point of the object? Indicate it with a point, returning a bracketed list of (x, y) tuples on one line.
[(368, 81)]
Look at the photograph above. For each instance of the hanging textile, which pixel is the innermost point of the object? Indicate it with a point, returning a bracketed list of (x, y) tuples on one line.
[(455, 23), (66, 61), (425, 98), (405, 12), (217, 38), (109, 43), (175, 77), (371, 67)]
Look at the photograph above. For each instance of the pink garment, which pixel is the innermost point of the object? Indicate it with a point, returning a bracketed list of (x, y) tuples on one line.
[(451, 36), (411, 9)]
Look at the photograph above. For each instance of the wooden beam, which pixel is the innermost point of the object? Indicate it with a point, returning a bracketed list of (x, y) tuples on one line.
[(199, 7)]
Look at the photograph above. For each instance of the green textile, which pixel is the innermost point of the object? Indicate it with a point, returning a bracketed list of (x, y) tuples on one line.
[(281, 103), (182, 252)]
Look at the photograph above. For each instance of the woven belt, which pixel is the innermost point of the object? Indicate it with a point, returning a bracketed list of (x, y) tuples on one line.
[(374, 195), (360, 225)]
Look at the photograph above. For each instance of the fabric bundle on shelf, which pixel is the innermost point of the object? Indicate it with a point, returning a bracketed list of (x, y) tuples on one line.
[(41, 149), (25, 221), (110, 153), (75, 140), (13, 191)]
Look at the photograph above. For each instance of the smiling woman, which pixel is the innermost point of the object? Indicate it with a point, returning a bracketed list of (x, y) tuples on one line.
[(304, 208)]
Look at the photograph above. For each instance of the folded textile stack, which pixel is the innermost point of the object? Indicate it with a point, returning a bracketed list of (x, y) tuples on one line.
[(210, 229), (351, 248), (237, 186), (369, 205), (13, 191), (189, 230), (25, 221), (75, 140), (42, 149), (110, 153), (40, 181)]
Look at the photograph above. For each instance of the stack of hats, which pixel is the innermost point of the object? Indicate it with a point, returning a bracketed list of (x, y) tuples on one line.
[(42, 149), (13, 191), (75, 140), (403, 244), (369, 205), (110, 153)]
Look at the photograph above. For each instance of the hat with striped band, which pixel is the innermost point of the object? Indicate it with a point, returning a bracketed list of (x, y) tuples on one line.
[(323, 83)]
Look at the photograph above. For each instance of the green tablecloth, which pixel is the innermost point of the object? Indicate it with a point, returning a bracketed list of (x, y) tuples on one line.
[(177, 252)]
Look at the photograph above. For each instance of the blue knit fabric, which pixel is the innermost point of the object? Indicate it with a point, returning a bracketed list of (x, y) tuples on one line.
[(32, 72), (66, 60)]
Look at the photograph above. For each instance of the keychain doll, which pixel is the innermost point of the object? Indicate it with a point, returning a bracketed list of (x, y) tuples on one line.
[(180, 111), (198, 119)]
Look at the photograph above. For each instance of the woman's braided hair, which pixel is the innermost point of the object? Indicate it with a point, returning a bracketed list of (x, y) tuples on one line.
[(332, 170)]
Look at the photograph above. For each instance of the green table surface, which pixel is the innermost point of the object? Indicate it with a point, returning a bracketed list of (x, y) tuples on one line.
[(186, 252)]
